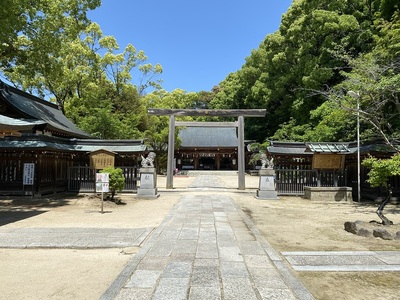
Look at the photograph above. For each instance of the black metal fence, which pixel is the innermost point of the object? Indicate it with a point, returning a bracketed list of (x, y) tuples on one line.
[(293, 181), (82, 179)]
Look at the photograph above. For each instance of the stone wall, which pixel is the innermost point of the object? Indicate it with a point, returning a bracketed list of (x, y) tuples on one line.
[(336, 194)]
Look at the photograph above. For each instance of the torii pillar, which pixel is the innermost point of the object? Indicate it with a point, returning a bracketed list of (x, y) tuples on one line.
[(240, 113)]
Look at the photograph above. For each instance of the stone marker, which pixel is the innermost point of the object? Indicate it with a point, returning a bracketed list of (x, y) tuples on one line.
[(148, 178), (267, 190)]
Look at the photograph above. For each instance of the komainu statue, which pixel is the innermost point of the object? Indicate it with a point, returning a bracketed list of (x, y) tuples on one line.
[(148, 162), (265, 162)]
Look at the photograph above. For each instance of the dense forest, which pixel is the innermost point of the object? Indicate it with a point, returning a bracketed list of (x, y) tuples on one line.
[(301, 74)]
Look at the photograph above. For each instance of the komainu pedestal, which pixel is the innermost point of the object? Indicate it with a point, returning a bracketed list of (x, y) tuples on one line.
[(267, 190), (148, 183)]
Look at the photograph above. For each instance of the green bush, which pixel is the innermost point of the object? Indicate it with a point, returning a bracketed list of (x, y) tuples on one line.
[(117, 180)]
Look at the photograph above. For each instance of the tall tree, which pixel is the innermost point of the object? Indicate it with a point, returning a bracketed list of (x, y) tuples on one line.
[(301, 55), (28, 27)]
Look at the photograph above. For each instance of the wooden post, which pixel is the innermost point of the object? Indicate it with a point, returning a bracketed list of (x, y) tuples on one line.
[(242, 183), (171, 146)]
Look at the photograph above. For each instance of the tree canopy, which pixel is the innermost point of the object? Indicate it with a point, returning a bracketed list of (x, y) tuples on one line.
[(300, 73), (311, 51)]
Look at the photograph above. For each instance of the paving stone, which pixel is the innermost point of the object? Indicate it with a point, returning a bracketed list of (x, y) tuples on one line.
[(206, 262), (205, 276), (153, 263), (177, 270), (71, 237), (182, 257), (333, 260), (143, 279), (231, 269), (135, 294), (185, 246), (207, 236), (238, 288), (251, 248), (258, 261), (189, 234), (267, 278), (207, 250), (244, 236), (202, 293), (168, 235), (226, 240), (172, 289), (230, 253), (389, 257), (162, 249), (276, 294)]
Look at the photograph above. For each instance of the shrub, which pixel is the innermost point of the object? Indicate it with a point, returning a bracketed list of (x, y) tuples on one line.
[(117, 180)]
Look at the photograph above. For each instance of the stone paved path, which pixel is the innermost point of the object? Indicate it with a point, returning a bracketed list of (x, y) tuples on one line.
[(74, 238), (207, 181), (206, 248), (344, 261)]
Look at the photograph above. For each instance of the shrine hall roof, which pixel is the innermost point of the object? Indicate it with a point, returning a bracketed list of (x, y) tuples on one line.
[(42, 142), (208, 137), (32, 108)]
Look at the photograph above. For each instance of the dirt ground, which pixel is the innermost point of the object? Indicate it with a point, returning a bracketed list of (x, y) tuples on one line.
[(296, 224), (289, 224)]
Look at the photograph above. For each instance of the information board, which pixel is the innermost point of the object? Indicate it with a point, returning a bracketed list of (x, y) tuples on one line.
[(29, 173), (102, 159), (328, 161), (102, 182)]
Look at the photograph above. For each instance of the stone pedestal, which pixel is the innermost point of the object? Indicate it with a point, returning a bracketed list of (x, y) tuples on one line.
[(334, 194), (267, 189), (148, 183)]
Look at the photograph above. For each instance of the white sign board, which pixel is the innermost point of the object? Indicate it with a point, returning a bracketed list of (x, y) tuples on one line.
[(29, 173), (102, 182)]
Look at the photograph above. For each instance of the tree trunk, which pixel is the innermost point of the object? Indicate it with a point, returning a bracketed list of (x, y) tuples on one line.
[(385, 221)]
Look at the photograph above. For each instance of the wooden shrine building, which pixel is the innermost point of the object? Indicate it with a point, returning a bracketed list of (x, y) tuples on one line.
[(297, 165), (207, 148), (42, 152)]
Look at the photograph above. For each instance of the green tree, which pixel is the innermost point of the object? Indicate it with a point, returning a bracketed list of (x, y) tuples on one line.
[(73, 64), (301, 56), (33, 28), (116, 180), (157, 131), (381, 170)]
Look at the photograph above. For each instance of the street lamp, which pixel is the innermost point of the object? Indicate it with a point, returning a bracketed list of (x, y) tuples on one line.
[(357, 96)]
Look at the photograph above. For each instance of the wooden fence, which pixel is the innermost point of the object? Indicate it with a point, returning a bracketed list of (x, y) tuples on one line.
[(82, 179)]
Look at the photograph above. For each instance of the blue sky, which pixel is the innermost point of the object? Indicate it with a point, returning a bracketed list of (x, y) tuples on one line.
[(198, 43)]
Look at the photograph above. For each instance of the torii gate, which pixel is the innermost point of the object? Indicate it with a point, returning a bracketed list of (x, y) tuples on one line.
[(240, 113)]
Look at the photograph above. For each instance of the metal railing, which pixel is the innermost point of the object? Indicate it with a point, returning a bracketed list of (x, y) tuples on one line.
[(82, 179), (293, 181)]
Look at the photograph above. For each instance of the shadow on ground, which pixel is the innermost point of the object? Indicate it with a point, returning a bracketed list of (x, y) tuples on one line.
[(7, 217)]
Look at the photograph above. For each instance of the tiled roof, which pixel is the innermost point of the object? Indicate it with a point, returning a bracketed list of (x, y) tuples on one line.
[(19, 124), (35, 142), (289, 148), (34, 108), (328, 147), (203, 137)]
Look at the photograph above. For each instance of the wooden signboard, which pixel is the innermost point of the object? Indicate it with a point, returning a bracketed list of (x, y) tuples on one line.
[(328, 161), (101, 159)]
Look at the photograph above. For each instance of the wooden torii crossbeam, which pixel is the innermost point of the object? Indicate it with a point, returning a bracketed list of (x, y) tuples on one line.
[(240, 113)]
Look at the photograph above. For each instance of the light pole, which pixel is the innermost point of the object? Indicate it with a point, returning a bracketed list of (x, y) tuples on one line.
[(357, 96)]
